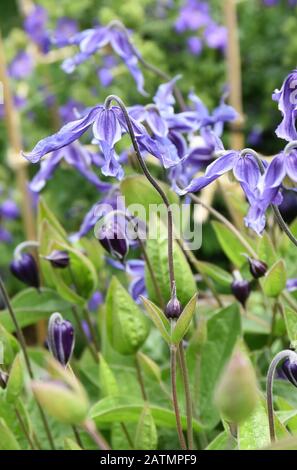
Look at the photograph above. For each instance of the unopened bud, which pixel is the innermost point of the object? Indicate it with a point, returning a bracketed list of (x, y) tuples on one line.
[(25, 269), (58, 259), (236, 395), (114, 240), (60, 338), (241, 290), (173, 309), (257, 268)]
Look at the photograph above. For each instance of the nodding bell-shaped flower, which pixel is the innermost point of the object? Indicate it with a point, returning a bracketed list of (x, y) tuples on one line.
[(61, 338), (173, 309), (58, 259), (257, 268), (113, 239), (289, 368), (241, 290), (24, 268)]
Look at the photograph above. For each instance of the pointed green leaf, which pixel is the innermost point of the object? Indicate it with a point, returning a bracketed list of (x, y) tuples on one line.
[(275, 279), (107, 380), (216, 273), (291, 324), (16, 379), (157, 250), (146, 434), (158, 318), (183, 322), (127, 326), (231, 245), (7, 439), (223, 330)]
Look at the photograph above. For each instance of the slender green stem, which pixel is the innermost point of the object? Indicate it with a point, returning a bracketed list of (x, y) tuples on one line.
[(89, 322), (77, 436), (269, 390), (173, 353), (189, 404), (90, 428), (22, 342), (128, 437), (24, 428), (151, 179)]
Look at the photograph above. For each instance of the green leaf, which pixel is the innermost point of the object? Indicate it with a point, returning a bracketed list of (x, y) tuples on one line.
[(275, 279), (44, 213), (232, 247), (70, 444), (158, 318), (222, 441), (124, 409), (146, 434), (157, 250), (16, 380), (183, 322), (138, 188), (223, 330), (254, 432), (266, 251), (7, 439), (30, 306), (127, 326), (107, 380), (9, 344), (216, 273), (149, 367), (291, 324)]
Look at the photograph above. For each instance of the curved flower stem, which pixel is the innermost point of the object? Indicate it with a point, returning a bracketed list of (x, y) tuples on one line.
[(22, 342), (275, 209), (21, 246), (151, 179), (189, 405), (90, 428), (287, 353), (173, 353), (77, 436), (130, 218), (227, 223)]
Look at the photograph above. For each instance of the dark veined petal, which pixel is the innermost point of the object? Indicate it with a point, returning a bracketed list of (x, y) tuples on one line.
[(119, 39), (220, 166), (162, 148), (67, 134), (246, 171), (275, 172), (107, 128)]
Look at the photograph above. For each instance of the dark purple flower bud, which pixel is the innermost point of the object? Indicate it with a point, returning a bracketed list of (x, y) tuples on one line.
[(59, 259), (257, 268), (25, 269), (289, 368), (114, 240), (173, 309), (3, 379), (60, 338), (241, 290)]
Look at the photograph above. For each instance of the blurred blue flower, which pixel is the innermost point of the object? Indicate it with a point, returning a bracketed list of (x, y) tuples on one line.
[(35, 25), (65, 29), (21, 66), (118, 38), (194, 45)]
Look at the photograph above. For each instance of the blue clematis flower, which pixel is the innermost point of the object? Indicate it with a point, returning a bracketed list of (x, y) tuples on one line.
[(287, 104), (8, 211), (114, 35), (65, 29), (74, 155), (21, 66), (107, 125)]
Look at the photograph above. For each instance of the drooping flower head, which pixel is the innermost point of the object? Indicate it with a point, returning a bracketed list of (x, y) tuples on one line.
[(286, 98), (35, 26), (114, 35)]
